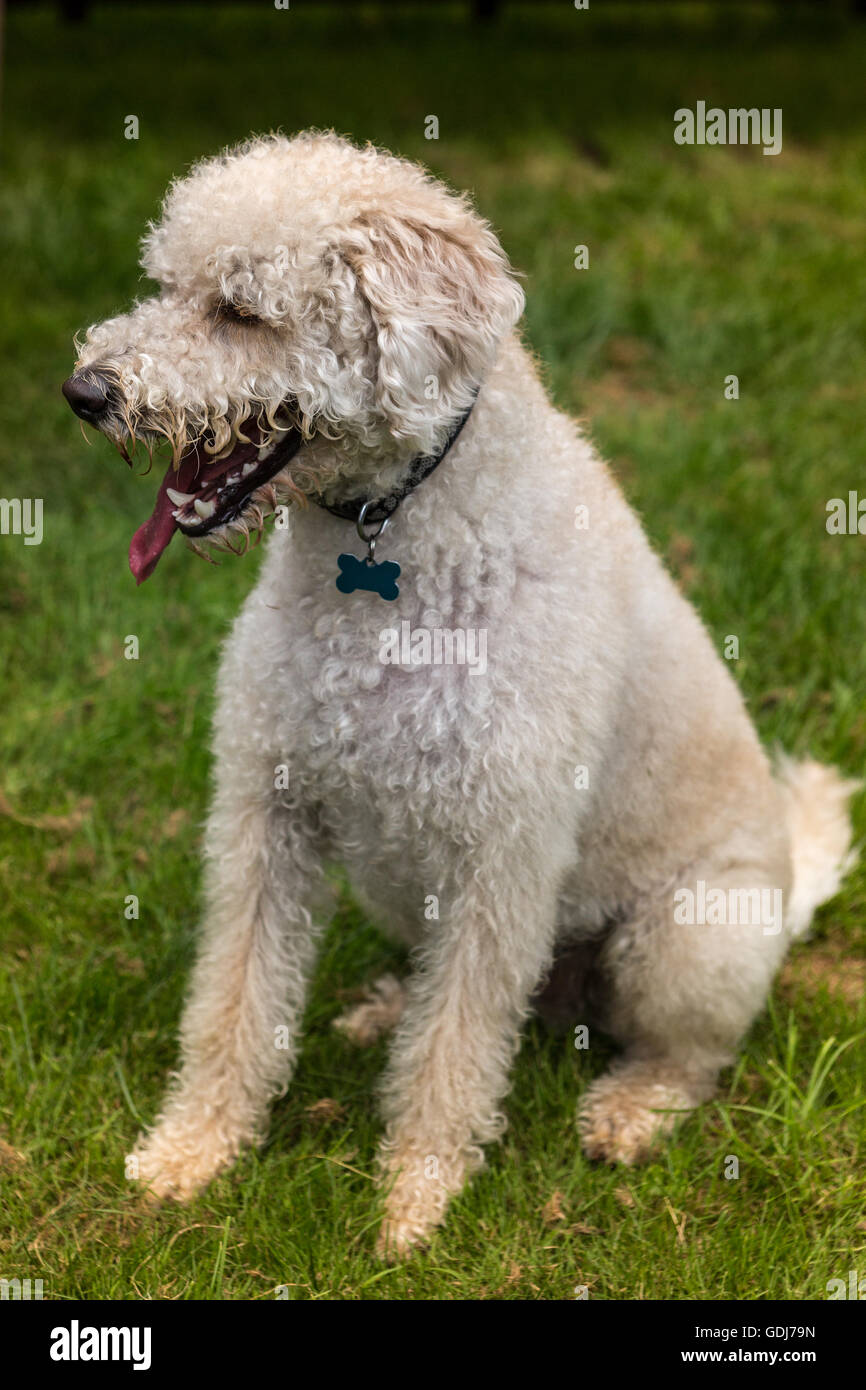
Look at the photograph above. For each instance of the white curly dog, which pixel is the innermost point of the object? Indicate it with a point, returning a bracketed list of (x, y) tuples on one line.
[(335, 331)]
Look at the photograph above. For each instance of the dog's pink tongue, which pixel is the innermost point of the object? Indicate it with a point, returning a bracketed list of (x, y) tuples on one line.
[(151, 539)]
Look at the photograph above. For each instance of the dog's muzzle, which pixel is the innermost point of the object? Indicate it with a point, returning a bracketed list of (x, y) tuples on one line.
[(200, 493), (89, 396)]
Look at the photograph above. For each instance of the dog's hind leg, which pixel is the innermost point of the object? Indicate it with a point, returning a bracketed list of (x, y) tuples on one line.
[(240, 1024), (683, 995), (379, 1012)]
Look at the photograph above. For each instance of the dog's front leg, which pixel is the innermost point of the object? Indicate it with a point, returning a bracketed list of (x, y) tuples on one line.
[(452, 1051), (239, 1030)]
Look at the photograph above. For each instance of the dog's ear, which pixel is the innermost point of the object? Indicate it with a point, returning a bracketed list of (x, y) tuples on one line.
[(441, 297)]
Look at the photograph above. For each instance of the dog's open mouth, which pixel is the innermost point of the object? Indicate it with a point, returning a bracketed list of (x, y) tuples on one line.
[(200, 495)]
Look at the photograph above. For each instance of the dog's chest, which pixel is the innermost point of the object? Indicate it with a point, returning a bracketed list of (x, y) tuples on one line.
[(384, 712), (368, 701), (387, 706)]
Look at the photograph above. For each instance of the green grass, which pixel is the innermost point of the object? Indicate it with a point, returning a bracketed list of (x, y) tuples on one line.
[(703, 263)]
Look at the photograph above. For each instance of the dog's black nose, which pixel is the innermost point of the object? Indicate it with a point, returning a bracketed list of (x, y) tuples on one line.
[(88, 396)]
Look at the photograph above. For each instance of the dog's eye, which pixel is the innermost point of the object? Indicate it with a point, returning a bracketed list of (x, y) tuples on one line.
[(227, 312)]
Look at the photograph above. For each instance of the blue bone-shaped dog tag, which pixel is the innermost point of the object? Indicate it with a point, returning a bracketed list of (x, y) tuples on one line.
[(377, 577)]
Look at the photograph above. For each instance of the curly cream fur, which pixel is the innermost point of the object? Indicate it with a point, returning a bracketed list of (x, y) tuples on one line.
[(369, 280)]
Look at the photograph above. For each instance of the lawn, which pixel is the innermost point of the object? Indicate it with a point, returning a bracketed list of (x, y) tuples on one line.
[(704, 262)]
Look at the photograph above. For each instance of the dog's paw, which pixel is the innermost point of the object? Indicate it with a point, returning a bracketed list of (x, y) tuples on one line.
[(420, 1186), (376, 1015), (616, 1132), (412, 1213), (398, 1239), (625, 1114), (171, 1166)]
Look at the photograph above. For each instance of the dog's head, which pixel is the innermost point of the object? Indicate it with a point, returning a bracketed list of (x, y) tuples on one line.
[(325, 314)]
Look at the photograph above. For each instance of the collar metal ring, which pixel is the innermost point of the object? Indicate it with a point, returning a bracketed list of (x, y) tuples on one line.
[(369, 535)]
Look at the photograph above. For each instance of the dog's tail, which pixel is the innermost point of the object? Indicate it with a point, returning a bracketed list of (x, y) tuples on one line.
[(819, 825)]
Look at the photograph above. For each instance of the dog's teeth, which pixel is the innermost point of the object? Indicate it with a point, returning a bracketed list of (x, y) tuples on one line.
[(249, 468), (264, 453), (204, 509), (179, 499)]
